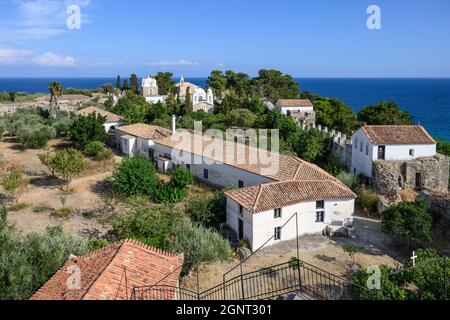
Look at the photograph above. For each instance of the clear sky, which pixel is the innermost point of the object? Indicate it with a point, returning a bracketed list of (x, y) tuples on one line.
[(315, 38)]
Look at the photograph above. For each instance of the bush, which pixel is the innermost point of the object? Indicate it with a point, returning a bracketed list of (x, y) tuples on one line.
[(62, 124), (35, 136), (408, 220), (154, 225), (64, 164), (94, 148), (167, 193), (349, 179), (209, 211), (42, 207), (199, 210), (87, 129), (135, 176), (200, 244), (335, 167), (63, 213), (29, 261), (368, 200), (18, 207), (14, 184), (181, 178)]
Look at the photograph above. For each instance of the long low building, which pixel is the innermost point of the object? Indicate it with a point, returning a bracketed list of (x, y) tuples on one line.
[(291, 185)]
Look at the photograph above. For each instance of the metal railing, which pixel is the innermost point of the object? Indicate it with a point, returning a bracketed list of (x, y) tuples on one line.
[(295, 276)]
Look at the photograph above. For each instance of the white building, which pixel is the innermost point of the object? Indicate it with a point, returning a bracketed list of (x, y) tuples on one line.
[(112, 120), (138, 139), (150, 91), (253, 209), (268, 213), (390, 143), (203, 100)]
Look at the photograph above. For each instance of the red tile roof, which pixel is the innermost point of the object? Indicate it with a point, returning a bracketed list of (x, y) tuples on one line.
[(110, 117), (112, 272), (289, 167), (286, 193), (398, 134), (145, 131), (295, 103)]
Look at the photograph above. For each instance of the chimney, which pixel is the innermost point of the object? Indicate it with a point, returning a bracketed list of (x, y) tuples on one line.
[(174, 124)]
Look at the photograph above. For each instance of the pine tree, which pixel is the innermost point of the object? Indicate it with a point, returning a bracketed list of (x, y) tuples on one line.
[(118, 83), (188, 102), (134, 83), (125, 85)]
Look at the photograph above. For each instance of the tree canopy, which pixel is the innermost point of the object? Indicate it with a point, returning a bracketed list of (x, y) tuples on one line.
[(384, 113), (132, 108), (334, 114), (87, 129), (165, 82)]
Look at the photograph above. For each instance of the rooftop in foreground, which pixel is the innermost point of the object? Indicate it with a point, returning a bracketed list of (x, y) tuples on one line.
[(111, 273)]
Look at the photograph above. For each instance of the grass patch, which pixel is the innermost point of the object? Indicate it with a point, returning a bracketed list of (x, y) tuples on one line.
[(42, 207), (63, 213), (18, 207)]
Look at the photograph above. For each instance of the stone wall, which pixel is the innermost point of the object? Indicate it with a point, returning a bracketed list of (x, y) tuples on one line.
[(440, 207), (391, 176)]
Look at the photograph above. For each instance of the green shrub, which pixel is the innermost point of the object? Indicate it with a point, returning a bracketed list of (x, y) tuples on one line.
[(29, 261), (94, 148), (154, 225), (368, 200), (200, 244), (62, 124), (18, 207), (181, 178), (42, 207), (135, 176), (335, 166), (349, 179), (63, 213), (96, 244), (408, 220), (35, 136), (199, 210), (167, 193), (87, 129)]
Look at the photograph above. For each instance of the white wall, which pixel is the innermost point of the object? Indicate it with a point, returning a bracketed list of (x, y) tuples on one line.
[(297, 109), (108, 126), (220, 175), (260, 227), (362, 163)]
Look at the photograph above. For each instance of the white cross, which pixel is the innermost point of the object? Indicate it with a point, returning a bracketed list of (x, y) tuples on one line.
[(413, 258)]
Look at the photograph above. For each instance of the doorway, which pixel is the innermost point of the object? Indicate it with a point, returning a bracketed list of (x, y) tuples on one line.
[(381, 152), (418, 181), (241, 229)]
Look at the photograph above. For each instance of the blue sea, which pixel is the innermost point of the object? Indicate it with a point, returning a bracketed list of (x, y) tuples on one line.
[(428, 100)]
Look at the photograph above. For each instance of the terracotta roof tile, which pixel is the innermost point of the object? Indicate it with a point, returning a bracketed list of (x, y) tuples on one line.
[(288, 168), (145, 131), (285, 193), (295, 103), (112, 272), (110, 117), (397, 134)]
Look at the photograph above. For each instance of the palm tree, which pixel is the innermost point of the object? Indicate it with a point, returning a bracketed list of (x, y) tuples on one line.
[(56, 89)]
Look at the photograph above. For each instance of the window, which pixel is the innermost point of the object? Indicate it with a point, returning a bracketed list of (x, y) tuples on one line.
[(241, 210), (411, 152), (188, 167), (320, 216), (320, 205), (277, 234), (241, 184), (356, 143), (361, 147), (277, 213), (367, 149), (206, 174), (320, 211)]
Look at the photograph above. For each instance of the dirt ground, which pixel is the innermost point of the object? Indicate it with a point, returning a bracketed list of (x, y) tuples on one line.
[(325, 253), (87, 192)]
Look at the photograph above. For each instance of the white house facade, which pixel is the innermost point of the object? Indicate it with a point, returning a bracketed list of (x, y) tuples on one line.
[(150, 91), (389, 143), (267, 214)]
